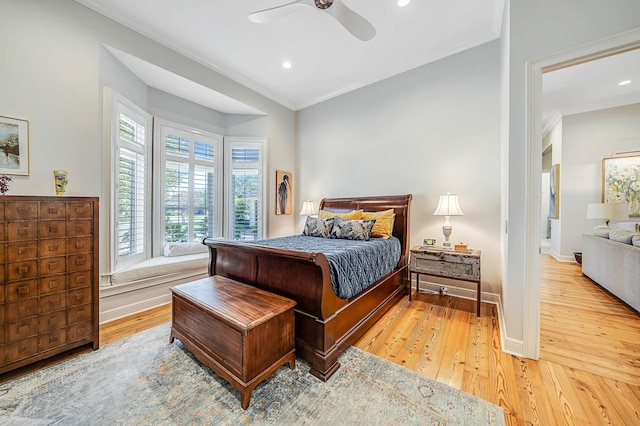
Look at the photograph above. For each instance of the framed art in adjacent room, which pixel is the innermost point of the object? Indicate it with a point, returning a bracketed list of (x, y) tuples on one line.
[(621, 182), (14, 146), (554, 192), (284, 191)]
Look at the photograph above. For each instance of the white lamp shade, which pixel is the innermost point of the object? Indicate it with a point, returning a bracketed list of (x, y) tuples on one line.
[(307, 208), (448, 206), (610, 211)]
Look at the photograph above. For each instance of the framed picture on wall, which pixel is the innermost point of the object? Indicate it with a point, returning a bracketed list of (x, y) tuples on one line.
[(14, 146), (621, 182), (554, 192), (284, 191)]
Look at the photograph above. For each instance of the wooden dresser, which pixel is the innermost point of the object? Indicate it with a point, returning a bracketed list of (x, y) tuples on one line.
[(48, 277)]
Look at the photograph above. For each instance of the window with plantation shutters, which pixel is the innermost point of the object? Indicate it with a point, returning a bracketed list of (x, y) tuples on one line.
[(189, 179), (244, 201), (131, 196)]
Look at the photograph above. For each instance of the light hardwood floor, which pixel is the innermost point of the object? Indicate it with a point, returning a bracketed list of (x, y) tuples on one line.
[(588, 372)]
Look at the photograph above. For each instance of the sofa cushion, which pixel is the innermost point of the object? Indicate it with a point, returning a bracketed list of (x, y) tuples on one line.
[(621, 236), (601, 231), (636, 240)]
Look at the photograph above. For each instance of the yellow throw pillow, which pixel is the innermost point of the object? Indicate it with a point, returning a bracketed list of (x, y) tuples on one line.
[(383, 228), (352, 215)]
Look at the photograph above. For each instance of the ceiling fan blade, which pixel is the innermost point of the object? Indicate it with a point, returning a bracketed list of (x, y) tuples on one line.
[(355, 23), (268, 15)]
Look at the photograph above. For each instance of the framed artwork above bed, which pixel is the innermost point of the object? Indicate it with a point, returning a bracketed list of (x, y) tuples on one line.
[(621, 182)]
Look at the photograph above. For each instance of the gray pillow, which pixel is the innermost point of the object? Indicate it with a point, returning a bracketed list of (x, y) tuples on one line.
[(621, 236), (636, 240), (352, 229), (601, 231), (315, 227)]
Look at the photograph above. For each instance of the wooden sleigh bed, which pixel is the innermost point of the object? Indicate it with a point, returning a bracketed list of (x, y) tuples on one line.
[(325, 325)]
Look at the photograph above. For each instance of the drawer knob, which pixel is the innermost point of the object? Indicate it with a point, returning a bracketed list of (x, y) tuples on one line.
[(54, 247), (53, 284), (81, 261), (23, 231), (53, 265), (53, 229), (53, 339), (53, 210), (23, 269), (23, 289), (22, 250)]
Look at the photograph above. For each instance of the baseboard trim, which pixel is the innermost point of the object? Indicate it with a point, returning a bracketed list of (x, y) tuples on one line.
[(134, 308)]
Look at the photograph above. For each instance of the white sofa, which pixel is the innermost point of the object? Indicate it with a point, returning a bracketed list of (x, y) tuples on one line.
[(611, 258)]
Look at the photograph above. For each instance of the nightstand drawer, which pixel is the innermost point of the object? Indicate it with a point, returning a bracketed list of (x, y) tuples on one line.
[(467, 269)]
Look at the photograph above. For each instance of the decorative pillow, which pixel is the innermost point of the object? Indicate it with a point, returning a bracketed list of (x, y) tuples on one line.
[(181, 249), (636, 240), (352, 229), (353, 215), (384, 222), (621, 236), (601, 231), (316, 227)]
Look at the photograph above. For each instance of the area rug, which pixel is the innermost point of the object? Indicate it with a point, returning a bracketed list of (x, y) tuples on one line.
[(144, 380)]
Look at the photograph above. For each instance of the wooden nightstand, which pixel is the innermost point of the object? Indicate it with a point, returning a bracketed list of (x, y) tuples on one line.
[(437, 262)]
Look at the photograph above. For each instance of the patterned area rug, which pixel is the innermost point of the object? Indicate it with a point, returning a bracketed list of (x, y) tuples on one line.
[(143, 380)]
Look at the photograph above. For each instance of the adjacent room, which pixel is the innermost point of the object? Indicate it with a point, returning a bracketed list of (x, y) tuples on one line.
[(314, 212)]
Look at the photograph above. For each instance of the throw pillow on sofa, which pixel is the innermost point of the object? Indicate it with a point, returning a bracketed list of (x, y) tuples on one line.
[(601, 231), (636, 240), (621, 236)]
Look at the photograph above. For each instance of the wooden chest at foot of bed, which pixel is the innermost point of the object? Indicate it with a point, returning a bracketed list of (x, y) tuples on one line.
[(242, 333)]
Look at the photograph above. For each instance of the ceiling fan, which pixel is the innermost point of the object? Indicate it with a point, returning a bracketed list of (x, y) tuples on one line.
[(355, 23)]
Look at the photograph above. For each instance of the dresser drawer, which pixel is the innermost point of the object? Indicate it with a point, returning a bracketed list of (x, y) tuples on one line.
[(3, 340), (52, 284), (80, 331), (2, 291), (79, 210), (52, 321), (53, 247), (52, 302), (20, 231), (22, 290), (52, 229), (22, 270), (2, 256), (2, 212), (79, 296), (80, 245), (80, 279), (25, 210), (22, 309), (79, 313), (80, 262), (53, 265), (80, 227), (23, 349), (52, 339), (23, 329), (3, 231), (23, 250), (53, 210)]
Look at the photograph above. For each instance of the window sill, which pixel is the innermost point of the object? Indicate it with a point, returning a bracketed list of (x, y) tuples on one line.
[(156, 271)]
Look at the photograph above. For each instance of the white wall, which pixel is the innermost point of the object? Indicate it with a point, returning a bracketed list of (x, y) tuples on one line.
[(587, 139), (538, 29), (429, 131), (52, 71)]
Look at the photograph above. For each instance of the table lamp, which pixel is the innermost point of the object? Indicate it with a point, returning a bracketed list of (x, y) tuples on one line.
[(608, 211), (448, 206), (308, 209)]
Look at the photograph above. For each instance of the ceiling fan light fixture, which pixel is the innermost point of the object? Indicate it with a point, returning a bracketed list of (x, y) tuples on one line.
[(403, 3), (624, 83), (287, 65)]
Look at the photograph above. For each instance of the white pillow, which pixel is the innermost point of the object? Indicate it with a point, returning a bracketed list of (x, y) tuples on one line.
[(636, 240), (621, 236), (181, 249), (601, 231)]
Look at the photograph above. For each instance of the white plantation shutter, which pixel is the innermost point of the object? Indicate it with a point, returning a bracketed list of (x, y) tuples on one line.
[(188, 181), (244, 203), (131, 194)]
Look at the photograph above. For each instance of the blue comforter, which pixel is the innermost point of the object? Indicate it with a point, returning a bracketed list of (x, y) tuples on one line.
[(354, 264)]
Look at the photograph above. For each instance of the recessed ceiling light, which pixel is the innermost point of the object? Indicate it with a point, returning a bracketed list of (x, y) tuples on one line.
[(287, 65), (624, 83), (403, 3)]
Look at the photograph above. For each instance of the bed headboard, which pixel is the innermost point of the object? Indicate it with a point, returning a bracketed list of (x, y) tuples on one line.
[(399, 203)]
